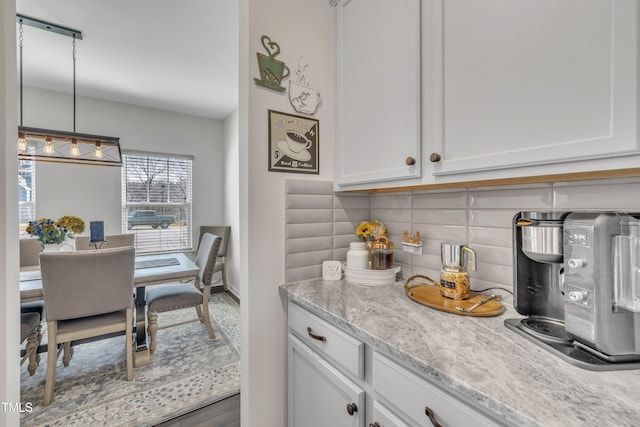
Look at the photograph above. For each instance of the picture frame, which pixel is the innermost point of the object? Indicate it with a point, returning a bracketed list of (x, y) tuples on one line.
[(294, 143)]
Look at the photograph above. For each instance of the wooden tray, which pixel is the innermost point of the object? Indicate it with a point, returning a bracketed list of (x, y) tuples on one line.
[(428, 294)]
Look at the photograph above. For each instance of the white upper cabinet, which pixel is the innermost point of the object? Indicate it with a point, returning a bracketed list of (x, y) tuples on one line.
[(484, 89), (534, 82), (377, 53)]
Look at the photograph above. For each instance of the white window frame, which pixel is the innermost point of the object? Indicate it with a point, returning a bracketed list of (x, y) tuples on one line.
[(178, 236)]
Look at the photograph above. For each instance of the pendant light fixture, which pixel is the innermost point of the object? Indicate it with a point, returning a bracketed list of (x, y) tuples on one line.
[(59, 146)]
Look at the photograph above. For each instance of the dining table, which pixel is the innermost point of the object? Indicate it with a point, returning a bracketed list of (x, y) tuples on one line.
[(154, 269)]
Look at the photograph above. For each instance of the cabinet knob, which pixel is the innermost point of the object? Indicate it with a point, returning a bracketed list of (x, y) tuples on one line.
[(352, 408), (432, 416), (435, 157), (410, 161)]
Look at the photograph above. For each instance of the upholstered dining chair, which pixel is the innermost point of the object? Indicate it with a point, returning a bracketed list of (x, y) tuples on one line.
[(30, 331), (183, 295), (115, 241), (224, 232), (29, 251), (87, 294)]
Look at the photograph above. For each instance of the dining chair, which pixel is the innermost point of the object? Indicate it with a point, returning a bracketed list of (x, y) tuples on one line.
[(29, 250), (87, 294), (115, 241), (224, 232), (183, 295), (30, 331)]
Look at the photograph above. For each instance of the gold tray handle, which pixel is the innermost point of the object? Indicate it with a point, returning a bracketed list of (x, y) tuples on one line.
[(407, 286)]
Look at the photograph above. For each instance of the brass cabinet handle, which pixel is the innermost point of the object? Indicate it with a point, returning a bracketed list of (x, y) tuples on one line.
[(352, 408), (435, 157), (376, 424), (410, 161), (314, 336), (432, 416)]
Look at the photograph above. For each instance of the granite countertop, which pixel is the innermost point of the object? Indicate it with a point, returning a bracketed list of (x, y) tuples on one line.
[(476, 357)]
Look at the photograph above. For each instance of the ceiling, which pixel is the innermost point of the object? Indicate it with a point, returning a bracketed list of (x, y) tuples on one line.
[(172, 55)]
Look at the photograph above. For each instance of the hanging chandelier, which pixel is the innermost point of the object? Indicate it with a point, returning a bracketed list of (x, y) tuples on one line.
[(60, 146)]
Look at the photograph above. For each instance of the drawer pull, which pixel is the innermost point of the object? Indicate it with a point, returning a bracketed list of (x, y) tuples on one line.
[(376, 424), (314, 336), (352, 408), (432, 416)]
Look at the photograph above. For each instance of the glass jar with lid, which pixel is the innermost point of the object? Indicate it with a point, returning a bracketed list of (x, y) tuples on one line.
[(382, 254)]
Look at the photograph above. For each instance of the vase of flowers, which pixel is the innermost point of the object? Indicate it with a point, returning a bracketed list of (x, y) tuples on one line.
[(56, 235)]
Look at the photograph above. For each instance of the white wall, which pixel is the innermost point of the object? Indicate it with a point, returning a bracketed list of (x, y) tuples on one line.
[(232, 200), (301, 28), (9, 291), (94, 193)]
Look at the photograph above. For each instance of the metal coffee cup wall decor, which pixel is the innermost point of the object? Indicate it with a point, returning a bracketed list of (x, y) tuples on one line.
[(294, 143), (272, 70), (303, 97)]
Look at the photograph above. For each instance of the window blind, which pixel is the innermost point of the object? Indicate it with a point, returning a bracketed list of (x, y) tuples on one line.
[(157, 200), (26, 192)]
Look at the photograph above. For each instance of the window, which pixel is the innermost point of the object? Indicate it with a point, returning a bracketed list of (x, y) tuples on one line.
[(26, 192), (156, 201)]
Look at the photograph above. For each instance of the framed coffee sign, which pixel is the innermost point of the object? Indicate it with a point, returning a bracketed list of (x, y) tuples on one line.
[(294, 143)]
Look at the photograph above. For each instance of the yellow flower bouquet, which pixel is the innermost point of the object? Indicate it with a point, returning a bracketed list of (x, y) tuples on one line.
[(49, 231), (371, 231)]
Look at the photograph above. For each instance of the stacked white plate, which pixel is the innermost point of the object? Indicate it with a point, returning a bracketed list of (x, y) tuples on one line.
[(371, 277)]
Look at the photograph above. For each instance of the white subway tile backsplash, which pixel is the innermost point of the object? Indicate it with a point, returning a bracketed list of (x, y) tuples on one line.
[(439, 216), (515, 198), (488, 254), (395, 201), (309, 244), (500, 218), (352, 201), (490, 236), (307, 186), (320, 224), (309, 201), (297, 231), (623, 195), (440, 200), (306, 216), (306, 259)]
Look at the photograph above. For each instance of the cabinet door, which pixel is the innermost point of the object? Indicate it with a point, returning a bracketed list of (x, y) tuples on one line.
[(377, 53), (318, 394), (535, 82)]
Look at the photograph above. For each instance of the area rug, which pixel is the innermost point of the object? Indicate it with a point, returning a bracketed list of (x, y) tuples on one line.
[(187, 371)]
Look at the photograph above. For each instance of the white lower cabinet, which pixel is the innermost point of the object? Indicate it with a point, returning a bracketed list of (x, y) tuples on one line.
[(422, 402), (319, 395), (330, 386)]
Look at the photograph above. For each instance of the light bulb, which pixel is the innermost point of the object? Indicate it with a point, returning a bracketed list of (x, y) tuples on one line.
[(48, 145), (97, 152), (22, 142), (74, 150)]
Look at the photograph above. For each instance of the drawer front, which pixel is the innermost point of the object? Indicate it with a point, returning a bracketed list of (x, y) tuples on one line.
[(383, 417), (326, 338), (413, 395)]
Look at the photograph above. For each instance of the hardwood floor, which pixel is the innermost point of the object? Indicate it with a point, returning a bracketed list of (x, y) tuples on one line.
[(225, 413)]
